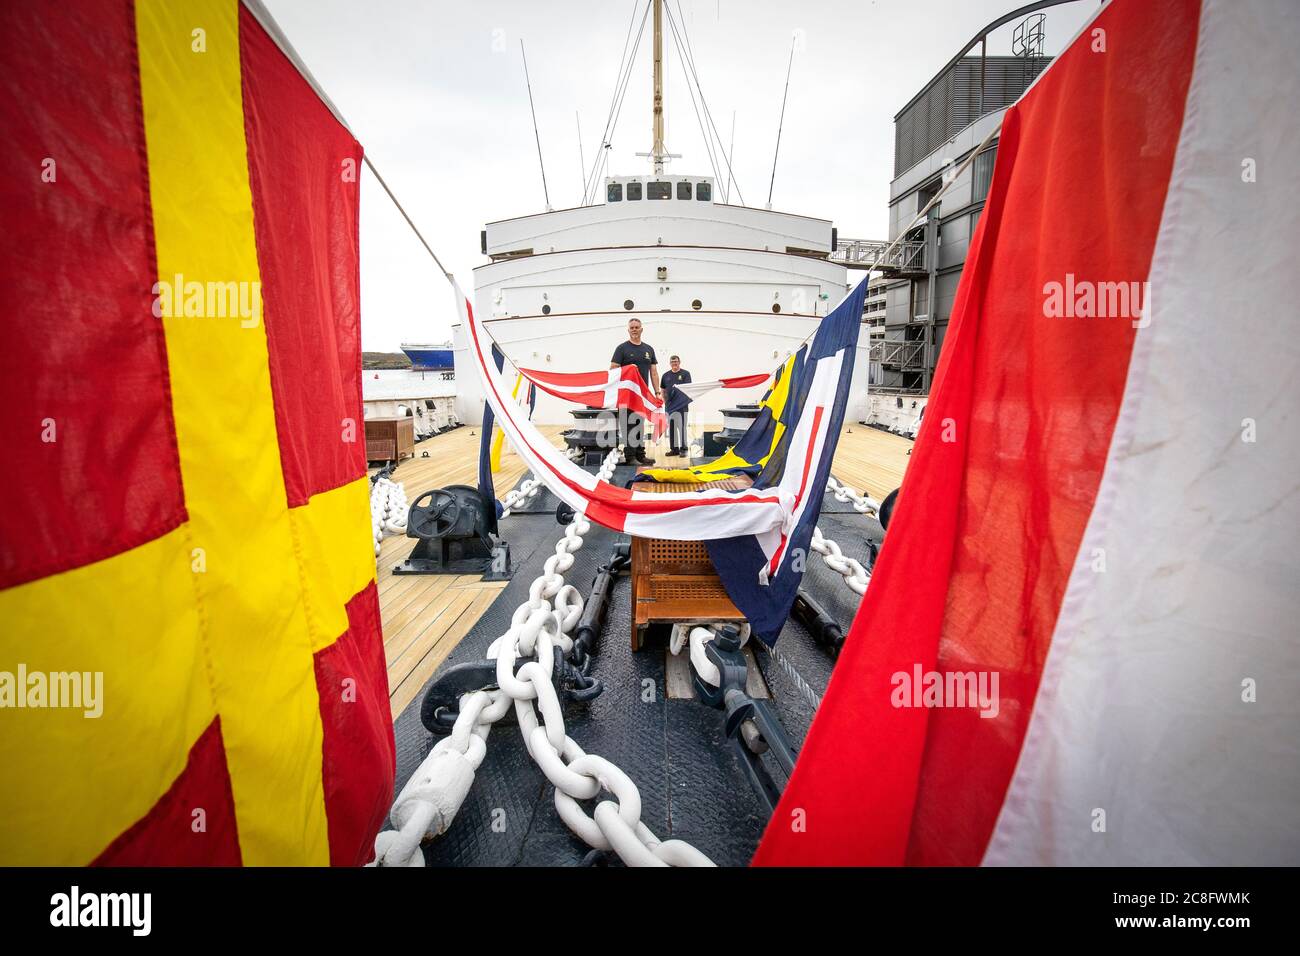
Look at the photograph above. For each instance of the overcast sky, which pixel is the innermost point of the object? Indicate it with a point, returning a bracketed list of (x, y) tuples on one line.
[(435, 92)]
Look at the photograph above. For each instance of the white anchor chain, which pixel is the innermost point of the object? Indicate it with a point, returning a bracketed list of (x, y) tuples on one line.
[(855, 575), (388, 509), (518, 497), (529, 488), (697, 636), (851, 570), (430, 799), (862, 504)]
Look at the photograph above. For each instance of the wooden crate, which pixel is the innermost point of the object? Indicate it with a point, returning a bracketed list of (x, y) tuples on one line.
[(674, 581), (390, 439)]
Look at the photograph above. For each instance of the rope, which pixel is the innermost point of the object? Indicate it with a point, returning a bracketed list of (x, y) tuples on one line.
[(263, 16), (409, 221), (949, 180), (805, 689)]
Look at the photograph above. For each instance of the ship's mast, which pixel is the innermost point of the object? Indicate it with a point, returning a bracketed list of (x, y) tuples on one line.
[(657, 150)]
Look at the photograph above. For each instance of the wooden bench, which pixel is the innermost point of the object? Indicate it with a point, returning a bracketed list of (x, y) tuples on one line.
[(674, 581)]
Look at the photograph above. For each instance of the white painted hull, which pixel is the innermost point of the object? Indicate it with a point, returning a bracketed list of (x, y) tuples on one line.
[(731, 289), (711, 346)]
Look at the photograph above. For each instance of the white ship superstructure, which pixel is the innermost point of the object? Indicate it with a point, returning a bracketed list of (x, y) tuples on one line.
[(732, 289)]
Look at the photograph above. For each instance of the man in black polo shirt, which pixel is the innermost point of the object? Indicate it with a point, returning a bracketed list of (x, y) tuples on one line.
[(631, 425), (676, 375)]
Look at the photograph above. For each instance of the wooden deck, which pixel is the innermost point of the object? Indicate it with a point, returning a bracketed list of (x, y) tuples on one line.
[(871, 461), (425, 616)]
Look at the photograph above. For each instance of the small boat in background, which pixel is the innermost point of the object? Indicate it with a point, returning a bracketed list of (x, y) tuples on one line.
[(433, 358)]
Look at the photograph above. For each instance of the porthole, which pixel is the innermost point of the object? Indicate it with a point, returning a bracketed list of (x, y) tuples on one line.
[(627, 304), (697, 305), (546, 310), (776, 306)]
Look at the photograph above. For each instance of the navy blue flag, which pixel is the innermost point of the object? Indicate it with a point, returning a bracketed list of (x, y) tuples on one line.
[(677, 402), (799, 439), (485, 484)]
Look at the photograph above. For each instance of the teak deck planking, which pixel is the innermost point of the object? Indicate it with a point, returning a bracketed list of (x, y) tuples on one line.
[(426, 616)]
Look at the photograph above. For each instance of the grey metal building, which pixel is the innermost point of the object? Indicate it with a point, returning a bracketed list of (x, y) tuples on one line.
[(934, 133)]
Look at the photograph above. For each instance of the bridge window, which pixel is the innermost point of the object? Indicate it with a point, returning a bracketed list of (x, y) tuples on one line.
[(633, 192), (703, 192), (925, 194), (659, 190), (614, 192), (683, 190), (982, 174)]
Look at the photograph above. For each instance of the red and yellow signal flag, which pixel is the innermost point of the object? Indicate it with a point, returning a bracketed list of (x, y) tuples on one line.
[(191, 659)]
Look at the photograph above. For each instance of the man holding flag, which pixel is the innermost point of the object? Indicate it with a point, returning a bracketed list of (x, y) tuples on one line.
[(632, 426), (675, 403)]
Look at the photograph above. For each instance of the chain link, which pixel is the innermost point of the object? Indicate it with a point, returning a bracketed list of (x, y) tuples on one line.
[(388, 509), (854, 574), (862, 504), (851, 570), (528, 489), (429, 801), (518, 497)]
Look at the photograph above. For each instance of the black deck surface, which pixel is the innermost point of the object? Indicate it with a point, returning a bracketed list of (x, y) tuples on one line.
[(692, 786)]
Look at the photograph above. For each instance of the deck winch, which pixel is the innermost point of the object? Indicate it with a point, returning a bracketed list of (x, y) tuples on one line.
[(736, 422), (887, 508), (594, 433), (452, 527)]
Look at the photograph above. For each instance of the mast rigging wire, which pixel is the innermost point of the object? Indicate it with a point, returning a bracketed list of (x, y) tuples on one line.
[(690, 57), (538, 136), (263, 16), (681, 56), (582, 163), (618, 77), (726, 193), (616, 103), (622, 97), (780, 124)]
